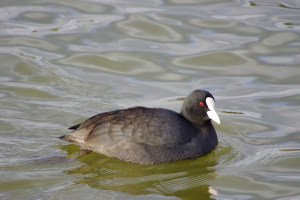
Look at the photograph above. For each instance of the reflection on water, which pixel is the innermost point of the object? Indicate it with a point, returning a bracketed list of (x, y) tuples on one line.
[(64, 61), (108, 173)]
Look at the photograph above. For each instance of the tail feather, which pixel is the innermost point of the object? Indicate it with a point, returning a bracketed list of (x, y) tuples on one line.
[(75, 126), (62, 137)]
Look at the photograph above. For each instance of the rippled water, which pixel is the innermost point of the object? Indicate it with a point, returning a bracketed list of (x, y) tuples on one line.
[(64, 61)]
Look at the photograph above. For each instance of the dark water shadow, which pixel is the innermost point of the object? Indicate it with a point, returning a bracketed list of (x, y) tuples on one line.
[(185, 179)]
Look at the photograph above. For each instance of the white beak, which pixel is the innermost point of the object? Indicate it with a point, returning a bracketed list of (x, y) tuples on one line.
[(212, 114)]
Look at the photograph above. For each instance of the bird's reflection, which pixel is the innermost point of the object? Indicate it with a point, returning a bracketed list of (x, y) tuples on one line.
[(185, 179)]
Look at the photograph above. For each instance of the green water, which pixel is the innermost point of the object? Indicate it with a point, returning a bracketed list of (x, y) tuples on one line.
[(64, 61)]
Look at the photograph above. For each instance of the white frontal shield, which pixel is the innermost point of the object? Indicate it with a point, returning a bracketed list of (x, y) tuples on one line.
[(212, 114)]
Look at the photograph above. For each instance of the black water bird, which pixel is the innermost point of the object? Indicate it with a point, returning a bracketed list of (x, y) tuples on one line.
[(151, 135)]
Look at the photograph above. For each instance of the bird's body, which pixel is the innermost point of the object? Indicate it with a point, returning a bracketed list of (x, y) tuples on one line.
[(145, 135)]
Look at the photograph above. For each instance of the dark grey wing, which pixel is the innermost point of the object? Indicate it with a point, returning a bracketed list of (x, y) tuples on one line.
[(154, 127), (92, 121), (82, 131)]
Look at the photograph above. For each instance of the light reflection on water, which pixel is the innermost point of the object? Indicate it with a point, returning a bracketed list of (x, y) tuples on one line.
[(62, 62)]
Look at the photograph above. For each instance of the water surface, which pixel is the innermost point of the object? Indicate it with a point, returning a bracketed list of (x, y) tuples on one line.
[(64, 61)]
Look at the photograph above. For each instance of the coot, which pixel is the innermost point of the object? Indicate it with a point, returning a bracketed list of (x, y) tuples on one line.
[(151, 135)]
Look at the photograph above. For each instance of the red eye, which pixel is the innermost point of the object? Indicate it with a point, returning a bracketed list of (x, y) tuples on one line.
[(201, 104)]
